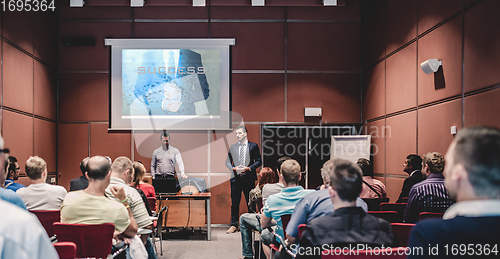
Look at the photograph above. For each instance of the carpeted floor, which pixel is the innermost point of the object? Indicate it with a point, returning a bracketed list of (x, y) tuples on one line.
[(186, 244)]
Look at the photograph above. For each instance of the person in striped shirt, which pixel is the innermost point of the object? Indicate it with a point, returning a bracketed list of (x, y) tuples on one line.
[(429, 195)]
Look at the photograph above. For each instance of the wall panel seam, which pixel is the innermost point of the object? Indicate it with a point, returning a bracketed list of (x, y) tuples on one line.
[(27, 53)]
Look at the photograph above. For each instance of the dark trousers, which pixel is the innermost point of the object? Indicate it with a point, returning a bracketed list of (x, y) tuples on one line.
[(237, 187)]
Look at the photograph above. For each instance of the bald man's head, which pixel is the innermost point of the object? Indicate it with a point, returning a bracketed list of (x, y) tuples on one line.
[(98, 167)]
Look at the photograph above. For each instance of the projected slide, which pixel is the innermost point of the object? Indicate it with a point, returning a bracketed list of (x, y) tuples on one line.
[(170, 82), (174, 84)]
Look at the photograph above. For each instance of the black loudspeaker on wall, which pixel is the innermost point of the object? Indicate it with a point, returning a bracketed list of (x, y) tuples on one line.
[(78, 41)]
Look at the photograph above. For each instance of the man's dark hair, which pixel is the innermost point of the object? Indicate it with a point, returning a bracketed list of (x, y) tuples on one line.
[(11, 166), (345, 178), (242, 127), (478, 150), (164, 134), (98, 167), (280, 162), (84, 165), (365, 166), (415, 161)]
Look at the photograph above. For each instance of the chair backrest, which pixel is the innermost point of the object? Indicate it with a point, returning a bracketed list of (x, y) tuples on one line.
[(391, 216), (147, 179), (430, 215), (90, 240), (47, 219), (302, 227), (398, 207), (374, 204), (152, 203), (162, 215), (284, 222), (391, 253), (402, 232), (65, 250)]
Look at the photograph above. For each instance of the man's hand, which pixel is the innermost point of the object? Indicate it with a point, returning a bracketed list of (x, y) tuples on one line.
[(184, 176), (118, 192)]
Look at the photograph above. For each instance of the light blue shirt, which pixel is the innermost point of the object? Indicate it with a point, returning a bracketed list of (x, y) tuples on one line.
[(283, 203), (164, 160), (314, 205), (12, 197)]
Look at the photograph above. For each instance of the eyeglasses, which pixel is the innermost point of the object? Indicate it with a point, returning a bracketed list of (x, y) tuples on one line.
[(5, 151)]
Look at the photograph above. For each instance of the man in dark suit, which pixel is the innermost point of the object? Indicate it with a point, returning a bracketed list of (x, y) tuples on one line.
[(154, 73), (413, 167), (243, 159), (470, 226), (81, 182)]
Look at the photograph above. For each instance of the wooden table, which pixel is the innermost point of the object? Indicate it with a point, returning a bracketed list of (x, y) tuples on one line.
[(187, 210)]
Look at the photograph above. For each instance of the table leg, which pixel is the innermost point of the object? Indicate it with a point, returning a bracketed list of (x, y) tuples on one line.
[(209, 221)]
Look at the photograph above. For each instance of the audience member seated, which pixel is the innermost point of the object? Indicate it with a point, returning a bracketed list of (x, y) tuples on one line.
[(40, 195), (372, 188), (413, 167), (91, 206), (148, 189), (22, 236), (13, 170), (139, 171), (282, 203), (7, 195), (313, 205), (473, 180), (249, 221), (348, 224), (122, 174), (429, 195), (81, 182)]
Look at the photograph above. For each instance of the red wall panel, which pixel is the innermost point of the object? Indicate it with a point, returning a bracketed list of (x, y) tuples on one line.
[(104, 143), (338, 49), (83, 97), (401, 23), (483, 109), (45, 91), (377, 131), (45, 142), (351, 11), (338, 95), (94, 12), (393, 188), (17, 79), (434, 124), (18, 28), (431, 12), (482, 46), (171, 30), (45, 37), (89, 57), (18, 136), (401, 83), (170, 12), (72, 148), (247, 12), (258, 97), (373, 33), (374, 92), (401, 140), (258, 45), (445, 44)]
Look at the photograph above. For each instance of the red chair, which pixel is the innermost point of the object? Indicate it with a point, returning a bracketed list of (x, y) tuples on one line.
[(152, 203), (284, 222), (430, 215), (391, 216), (374, 204), (398, 207), (402, 232), (47, 219), (65, 250), (391, 253), (302, 228), (90, 240)]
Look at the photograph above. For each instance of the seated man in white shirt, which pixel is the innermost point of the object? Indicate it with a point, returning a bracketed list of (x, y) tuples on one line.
[(40, 195)]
